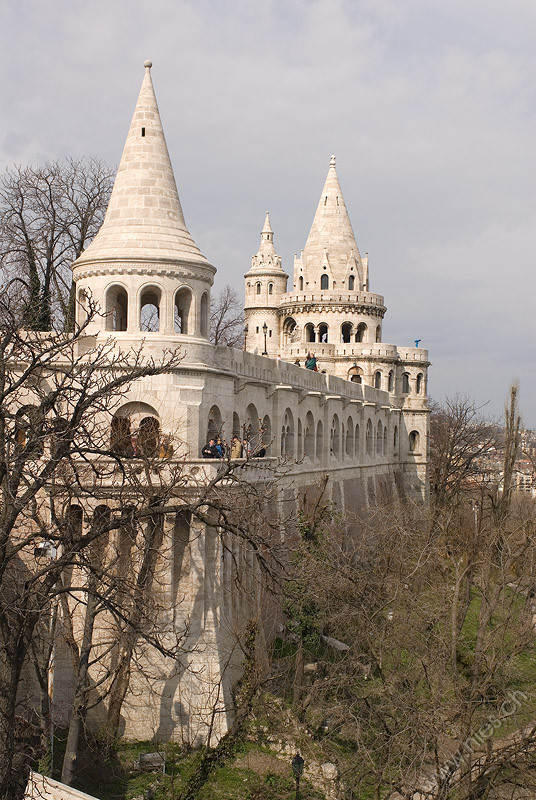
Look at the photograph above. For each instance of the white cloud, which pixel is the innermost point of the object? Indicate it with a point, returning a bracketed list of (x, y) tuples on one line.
[(429, 106)]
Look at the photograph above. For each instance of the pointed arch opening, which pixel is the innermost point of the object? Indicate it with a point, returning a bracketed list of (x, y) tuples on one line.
[(351, 282), (319, 440), (335, 443), (324, 282), (413, 439), (349, 443), (419, 383), (390, 381), (287, 434), (377, 380), (309, 435), (379, 438), (368, 438), (300, 283), (405, 383), (378, 333)]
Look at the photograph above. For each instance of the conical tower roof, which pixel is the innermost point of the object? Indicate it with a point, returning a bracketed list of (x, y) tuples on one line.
[(144, 221), (331, 243), (266, 259)]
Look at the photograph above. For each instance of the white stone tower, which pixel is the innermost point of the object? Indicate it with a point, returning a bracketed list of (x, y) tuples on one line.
[(143, 268), (265, 284)]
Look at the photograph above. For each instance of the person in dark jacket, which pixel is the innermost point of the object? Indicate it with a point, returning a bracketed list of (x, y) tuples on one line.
[(210, 450)]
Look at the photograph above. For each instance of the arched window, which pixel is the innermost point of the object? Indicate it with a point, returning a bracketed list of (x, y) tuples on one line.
[(309, 332), (266, 434), (258, 288), (346, 332), (418, 385), (300, 440), (413, 441), (214, 425), (385, 440), (116, 309), (395, 436), (270, 288), (357, 441), (150, 310), (324, 282), (309, 435), (379, 438), (405, 383), (289, 327), (322, 332), (319, 440), (149, 437), (360, 332), (335, 446), (351, 282), (82, 306), (252, 427), (180, 564), (355, 374), (378, 333), (300, 283), (121, 436), (377, 380), (368, 438), (390, 381), (287, 434), (349, 445), (182, 306), (204, 315), (237, 430)]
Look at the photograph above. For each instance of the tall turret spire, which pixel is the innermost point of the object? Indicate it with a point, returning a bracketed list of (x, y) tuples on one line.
[(144, 219), (331, 247)]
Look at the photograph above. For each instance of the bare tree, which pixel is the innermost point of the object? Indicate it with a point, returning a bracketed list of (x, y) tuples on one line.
[(459, 438), (48, 216), (227, 319)]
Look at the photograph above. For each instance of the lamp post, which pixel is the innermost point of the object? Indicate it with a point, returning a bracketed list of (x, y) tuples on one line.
[(297, 769), (265, 331)]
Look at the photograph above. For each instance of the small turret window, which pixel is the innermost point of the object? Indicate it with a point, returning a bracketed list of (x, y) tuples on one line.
[(351, 281), (405, 383), (270, 288), (300, 283), (418, 386), (324, 282), (258, 288)]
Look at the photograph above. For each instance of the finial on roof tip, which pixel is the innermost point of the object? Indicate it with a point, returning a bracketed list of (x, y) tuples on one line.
[(148, 64), (332, 161)]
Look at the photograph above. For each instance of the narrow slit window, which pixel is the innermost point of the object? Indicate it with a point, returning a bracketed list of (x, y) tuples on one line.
[(143, 131)]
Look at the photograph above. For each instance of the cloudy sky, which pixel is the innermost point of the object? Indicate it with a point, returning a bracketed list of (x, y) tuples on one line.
[(429, 106)]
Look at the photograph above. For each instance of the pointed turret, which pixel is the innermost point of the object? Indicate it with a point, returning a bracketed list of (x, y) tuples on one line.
[(331, 255), (265, 284), (144, 219), (266, 257), (143, 269)]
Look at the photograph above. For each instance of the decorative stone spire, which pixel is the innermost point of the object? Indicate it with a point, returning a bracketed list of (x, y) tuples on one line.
[(144, 220), (266, 257), (331, 244)]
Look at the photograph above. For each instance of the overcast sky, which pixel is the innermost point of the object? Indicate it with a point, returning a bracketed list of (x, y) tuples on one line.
[(429, 106)]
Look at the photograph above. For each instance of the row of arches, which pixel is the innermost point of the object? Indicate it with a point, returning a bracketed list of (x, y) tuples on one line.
[(299, 438), (320, 332), (186, 313)]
